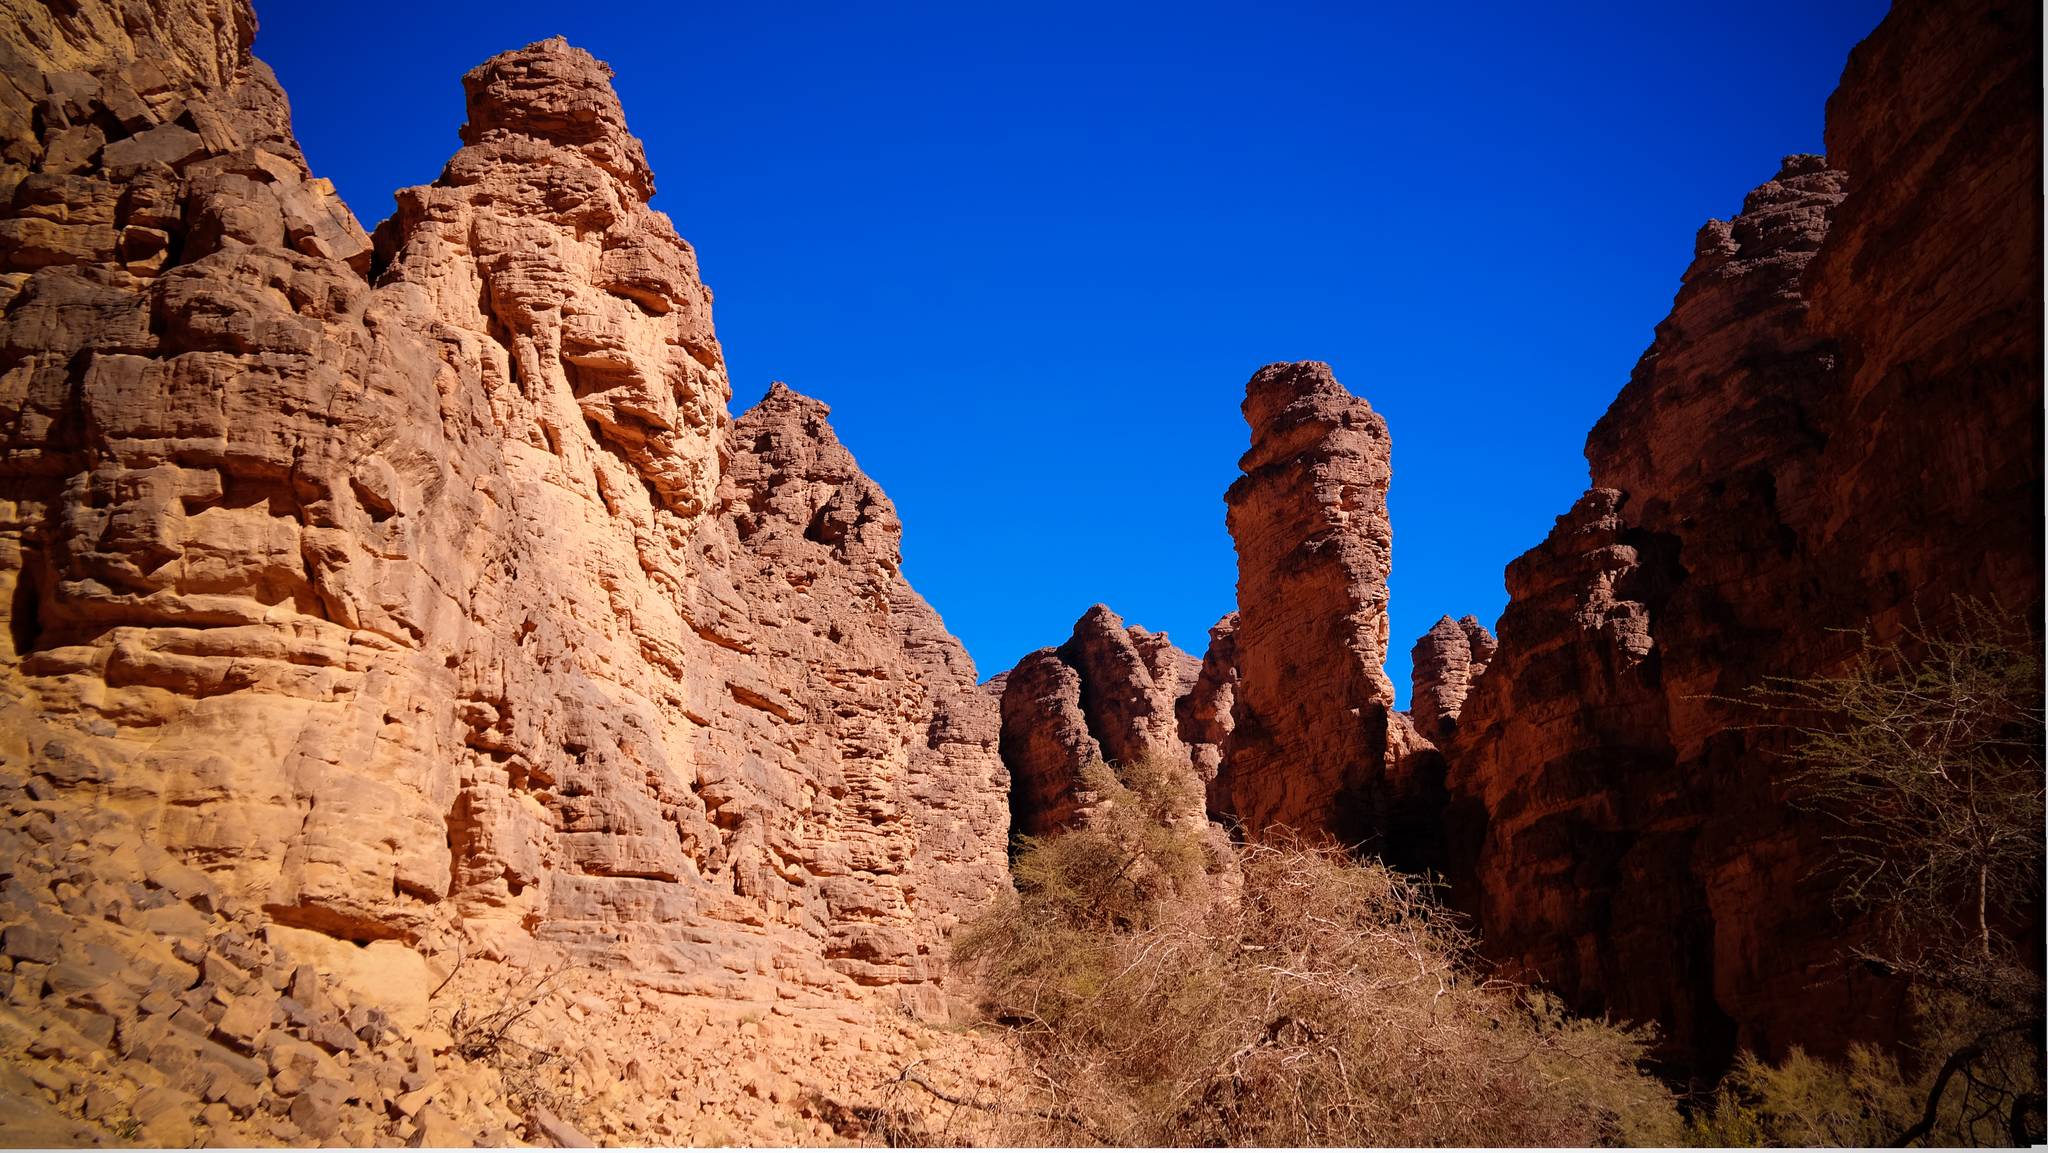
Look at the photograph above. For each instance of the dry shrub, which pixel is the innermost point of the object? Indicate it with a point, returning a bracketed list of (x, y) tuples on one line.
[(1925, 755), (1295, 996), (1964, 1085), (1802, 1100), (532, 1074)]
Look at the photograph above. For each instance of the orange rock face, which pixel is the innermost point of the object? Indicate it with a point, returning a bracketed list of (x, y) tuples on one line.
[(453, 605), (1839, 422), (1206, 712)]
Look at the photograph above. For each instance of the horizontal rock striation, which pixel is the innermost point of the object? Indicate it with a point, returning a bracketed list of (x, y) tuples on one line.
[(449, 607), (1837, 427)]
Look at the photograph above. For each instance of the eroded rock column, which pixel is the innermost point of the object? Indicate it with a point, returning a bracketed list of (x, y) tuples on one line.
[(1310, 743)]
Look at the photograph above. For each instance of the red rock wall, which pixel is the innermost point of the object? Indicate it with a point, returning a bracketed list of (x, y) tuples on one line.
[(453, 605), (1839, 421), (1445, 663), (1206, 712)]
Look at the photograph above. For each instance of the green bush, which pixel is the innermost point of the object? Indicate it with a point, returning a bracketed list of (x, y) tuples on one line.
[(1806, 1101), (1169, 991)]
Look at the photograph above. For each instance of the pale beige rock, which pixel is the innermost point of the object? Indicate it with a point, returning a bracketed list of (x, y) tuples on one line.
[(455, 597), (449, 617)]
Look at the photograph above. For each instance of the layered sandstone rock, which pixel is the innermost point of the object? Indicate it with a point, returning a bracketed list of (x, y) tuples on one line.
[(1110, 693), (1836, 427), (1446, 661), (1314, 738), (451, 610)]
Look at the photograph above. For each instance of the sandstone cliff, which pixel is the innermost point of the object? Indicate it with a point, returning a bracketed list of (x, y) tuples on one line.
[(1837, 426), (423, 590)]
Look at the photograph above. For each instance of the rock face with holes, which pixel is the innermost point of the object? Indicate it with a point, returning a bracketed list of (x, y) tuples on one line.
[(1838, 422), (1110, 693), (422, 588)]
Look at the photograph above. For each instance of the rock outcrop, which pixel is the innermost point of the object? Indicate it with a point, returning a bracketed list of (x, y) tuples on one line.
[(1315, 743), (1205, 711), (1837, 427), (1110, 693), (1446, 660), (420, 589)]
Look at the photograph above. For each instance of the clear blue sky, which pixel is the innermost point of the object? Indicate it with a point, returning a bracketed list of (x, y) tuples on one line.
[(1031, 253)]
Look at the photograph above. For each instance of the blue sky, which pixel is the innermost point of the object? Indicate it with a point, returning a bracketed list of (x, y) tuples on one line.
[(1030, 254)]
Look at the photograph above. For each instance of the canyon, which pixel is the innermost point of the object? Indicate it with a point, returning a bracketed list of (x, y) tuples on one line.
[(402, 630), (1836, 429)]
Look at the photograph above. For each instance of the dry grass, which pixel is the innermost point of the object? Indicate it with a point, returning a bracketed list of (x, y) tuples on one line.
[(1292, 996)]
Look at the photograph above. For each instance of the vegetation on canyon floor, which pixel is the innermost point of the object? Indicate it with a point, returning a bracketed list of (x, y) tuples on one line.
[(1925, 754), (1169, 992)]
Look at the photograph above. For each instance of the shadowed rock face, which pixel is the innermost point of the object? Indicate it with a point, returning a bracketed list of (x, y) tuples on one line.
[(1109, 693), (1838, 422), (1309, 743), (456, 604)]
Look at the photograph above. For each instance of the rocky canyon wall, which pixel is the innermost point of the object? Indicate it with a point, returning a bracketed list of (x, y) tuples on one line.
[(415, 596), (421, 588), (1837, 427)]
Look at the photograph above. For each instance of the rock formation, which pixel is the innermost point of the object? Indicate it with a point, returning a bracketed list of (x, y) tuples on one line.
[(448, 608), (1110, 693), (1315, 743), (407, 614), (1205, 711), (1448, 658), (1837, 427)]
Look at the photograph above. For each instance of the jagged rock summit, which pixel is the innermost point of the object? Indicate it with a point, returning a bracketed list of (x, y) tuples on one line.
[(1112, 693), (1446, 661), (449, 612), (1315, 742)]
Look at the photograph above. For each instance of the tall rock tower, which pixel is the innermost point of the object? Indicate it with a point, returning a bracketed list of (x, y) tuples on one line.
[(1315, 744)]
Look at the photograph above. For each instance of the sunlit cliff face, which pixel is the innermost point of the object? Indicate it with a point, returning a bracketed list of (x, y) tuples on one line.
[(592, 298)]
